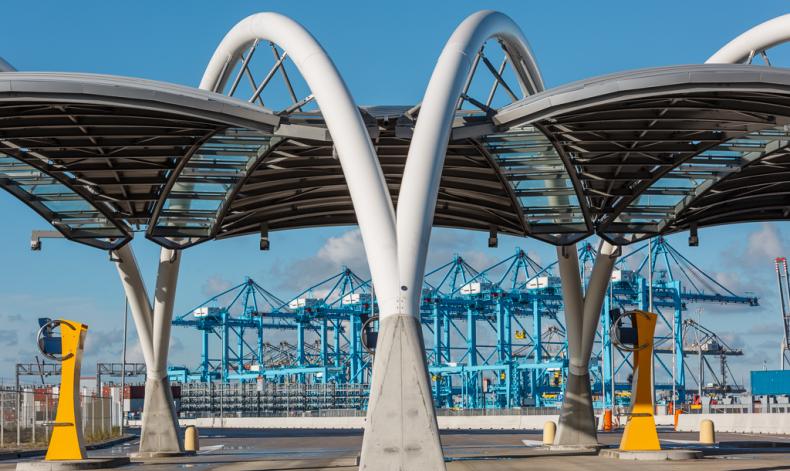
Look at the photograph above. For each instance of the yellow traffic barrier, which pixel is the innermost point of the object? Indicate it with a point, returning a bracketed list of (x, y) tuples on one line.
[(707, 434), (549, 430), (191, 439)]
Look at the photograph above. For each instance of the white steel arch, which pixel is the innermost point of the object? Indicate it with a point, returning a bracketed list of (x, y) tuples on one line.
[(754, 41), (742, 49), (5, 66), (421, 176), (401, 432), (365, 180), (364, 177)]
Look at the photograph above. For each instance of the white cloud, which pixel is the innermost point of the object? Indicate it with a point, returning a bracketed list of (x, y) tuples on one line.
[(215, 284), (346, 249), (764, 244)]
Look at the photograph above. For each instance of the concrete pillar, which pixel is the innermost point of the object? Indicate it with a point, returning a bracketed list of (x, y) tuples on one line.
[(576, 426), (401, 430), (159, 435)]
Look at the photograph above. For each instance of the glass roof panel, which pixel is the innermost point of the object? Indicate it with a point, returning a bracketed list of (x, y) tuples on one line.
[(666, 198), (59, 205), (204, 186), (538, 177)]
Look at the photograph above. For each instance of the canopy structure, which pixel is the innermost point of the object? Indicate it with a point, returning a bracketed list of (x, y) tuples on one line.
[(97, 156), (660, 150), (625, 156)]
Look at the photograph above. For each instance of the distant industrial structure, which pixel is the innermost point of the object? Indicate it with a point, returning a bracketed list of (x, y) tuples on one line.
[(494, 337)]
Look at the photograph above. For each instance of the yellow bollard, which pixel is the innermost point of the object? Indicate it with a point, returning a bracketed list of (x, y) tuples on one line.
[(66, 441), (549, 429), (707, 434), (640, 431), (191, 439)]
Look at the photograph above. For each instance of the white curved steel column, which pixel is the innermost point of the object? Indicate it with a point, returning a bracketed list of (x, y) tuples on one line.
[(365, 180), (576, 426), (5, 66), (404, 436), (137, 296), (423, 170), (745, 46), (401, 431), (159, 432)]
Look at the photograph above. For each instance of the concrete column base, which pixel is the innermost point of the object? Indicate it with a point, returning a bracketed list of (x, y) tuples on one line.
[(401, 433), (576, 426), (159, 433)]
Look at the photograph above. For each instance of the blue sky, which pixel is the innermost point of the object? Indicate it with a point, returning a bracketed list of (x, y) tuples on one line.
[(386, 52)]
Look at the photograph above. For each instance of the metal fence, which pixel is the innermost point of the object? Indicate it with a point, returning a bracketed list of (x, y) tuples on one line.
[(271, 400), (756, 408), (27, 415), (502, 411)]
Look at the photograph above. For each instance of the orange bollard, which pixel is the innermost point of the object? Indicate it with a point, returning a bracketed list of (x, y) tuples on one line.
[(607, 420), (677, 414)]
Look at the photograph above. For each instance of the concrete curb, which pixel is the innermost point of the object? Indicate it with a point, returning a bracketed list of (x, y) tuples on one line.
[(658, 455), (141, 456), (90, 463), (16, 454)]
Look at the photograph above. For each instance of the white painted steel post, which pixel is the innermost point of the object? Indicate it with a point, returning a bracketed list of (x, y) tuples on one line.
[(576, 426), (5, 66), (164, 298), (159, 433), (370, 197), (137, 296), (425, 160), (763, 36), (401, 431), (365, 180)]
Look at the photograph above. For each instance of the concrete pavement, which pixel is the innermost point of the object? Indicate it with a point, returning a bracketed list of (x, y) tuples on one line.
[(266, 450)]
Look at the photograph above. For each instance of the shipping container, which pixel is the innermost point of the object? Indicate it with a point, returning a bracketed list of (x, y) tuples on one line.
[(771, 383)]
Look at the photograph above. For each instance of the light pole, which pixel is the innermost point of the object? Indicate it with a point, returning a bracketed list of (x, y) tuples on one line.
[(123, 362)]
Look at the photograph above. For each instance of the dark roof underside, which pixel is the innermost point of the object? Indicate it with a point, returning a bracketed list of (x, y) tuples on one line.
[(625, 156), (660, 150)]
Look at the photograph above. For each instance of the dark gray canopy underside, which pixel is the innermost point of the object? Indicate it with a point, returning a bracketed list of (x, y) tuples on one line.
[(625, 156)]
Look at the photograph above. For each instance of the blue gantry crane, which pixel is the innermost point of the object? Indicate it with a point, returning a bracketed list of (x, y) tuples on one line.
[(494, 337), (676, 283)]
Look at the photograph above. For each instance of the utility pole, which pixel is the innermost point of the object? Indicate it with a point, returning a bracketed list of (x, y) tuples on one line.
[(781, 272)]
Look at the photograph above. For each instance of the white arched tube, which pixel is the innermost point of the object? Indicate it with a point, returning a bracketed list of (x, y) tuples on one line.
[(5, 66), (763, 36), (365, 180), (422, 174)]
